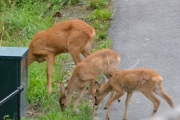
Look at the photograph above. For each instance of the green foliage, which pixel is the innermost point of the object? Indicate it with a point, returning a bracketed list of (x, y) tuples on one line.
[(37, 84), (71, 2), (104, 44), (102, 35), (98, 4), (5, 4), (28, 18), (84, 113), (102, 15), (20, 20), (23, 23), (6, 117)]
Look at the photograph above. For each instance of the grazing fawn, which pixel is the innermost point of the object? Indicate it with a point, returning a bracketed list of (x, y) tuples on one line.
[(100, 62), (146, 81), (74, 36)]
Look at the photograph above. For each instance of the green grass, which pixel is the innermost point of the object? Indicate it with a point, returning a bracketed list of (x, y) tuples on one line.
[(98, 4), (20, 20)]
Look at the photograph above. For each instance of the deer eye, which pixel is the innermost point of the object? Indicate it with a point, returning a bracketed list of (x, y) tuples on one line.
[(97, 90)]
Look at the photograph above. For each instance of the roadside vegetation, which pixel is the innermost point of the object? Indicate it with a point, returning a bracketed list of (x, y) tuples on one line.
[(20, 20)]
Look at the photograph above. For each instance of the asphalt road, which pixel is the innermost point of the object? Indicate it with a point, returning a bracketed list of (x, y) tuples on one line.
[(146, 34)]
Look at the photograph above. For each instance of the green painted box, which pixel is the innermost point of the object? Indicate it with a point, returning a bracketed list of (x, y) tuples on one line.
[(13, 73)]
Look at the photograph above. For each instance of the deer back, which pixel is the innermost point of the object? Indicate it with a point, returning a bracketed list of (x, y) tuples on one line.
[(60, 38), (136, 79), (102, 61)]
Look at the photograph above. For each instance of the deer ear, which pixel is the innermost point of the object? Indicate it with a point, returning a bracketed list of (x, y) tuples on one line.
[(66, 91), (62, 89), (97, 85)]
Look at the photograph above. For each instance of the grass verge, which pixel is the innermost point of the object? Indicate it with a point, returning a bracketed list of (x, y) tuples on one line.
[(20, 20)]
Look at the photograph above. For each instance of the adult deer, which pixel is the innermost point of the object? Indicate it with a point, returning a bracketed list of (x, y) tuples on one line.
[(74, 36), (146, 81), (100, 62)]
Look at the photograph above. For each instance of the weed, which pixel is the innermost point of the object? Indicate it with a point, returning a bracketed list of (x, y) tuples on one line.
[(97, 4), (102, 15), (104, 44)]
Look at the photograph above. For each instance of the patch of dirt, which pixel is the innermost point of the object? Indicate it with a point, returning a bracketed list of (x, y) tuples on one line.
[(32, 111), (72, 12), (75, 12)]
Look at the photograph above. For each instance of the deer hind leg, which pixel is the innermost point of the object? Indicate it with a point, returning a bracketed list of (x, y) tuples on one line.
[(115, 97), (50, 62), (74, 46), (75, 53), (86, 53), (159, 90), (149, 94), (128, 98), (86, 47)]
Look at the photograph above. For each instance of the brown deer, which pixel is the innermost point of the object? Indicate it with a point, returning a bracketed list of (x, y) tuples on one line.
[(100, 62), (74, 36), (146, 81)]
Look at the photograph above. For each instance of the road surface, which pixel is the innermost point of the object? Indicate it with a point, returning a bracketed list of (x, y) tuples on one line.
[(146, 33)]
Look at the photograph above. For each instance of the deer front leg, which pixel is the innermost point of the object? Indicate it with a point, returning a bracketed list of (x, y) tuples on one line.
[(94, 107), (111, 95), (112, 92), (50, 62), (115, 97), (128, 98), (81, 91), (86, 53), (92, 88)]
